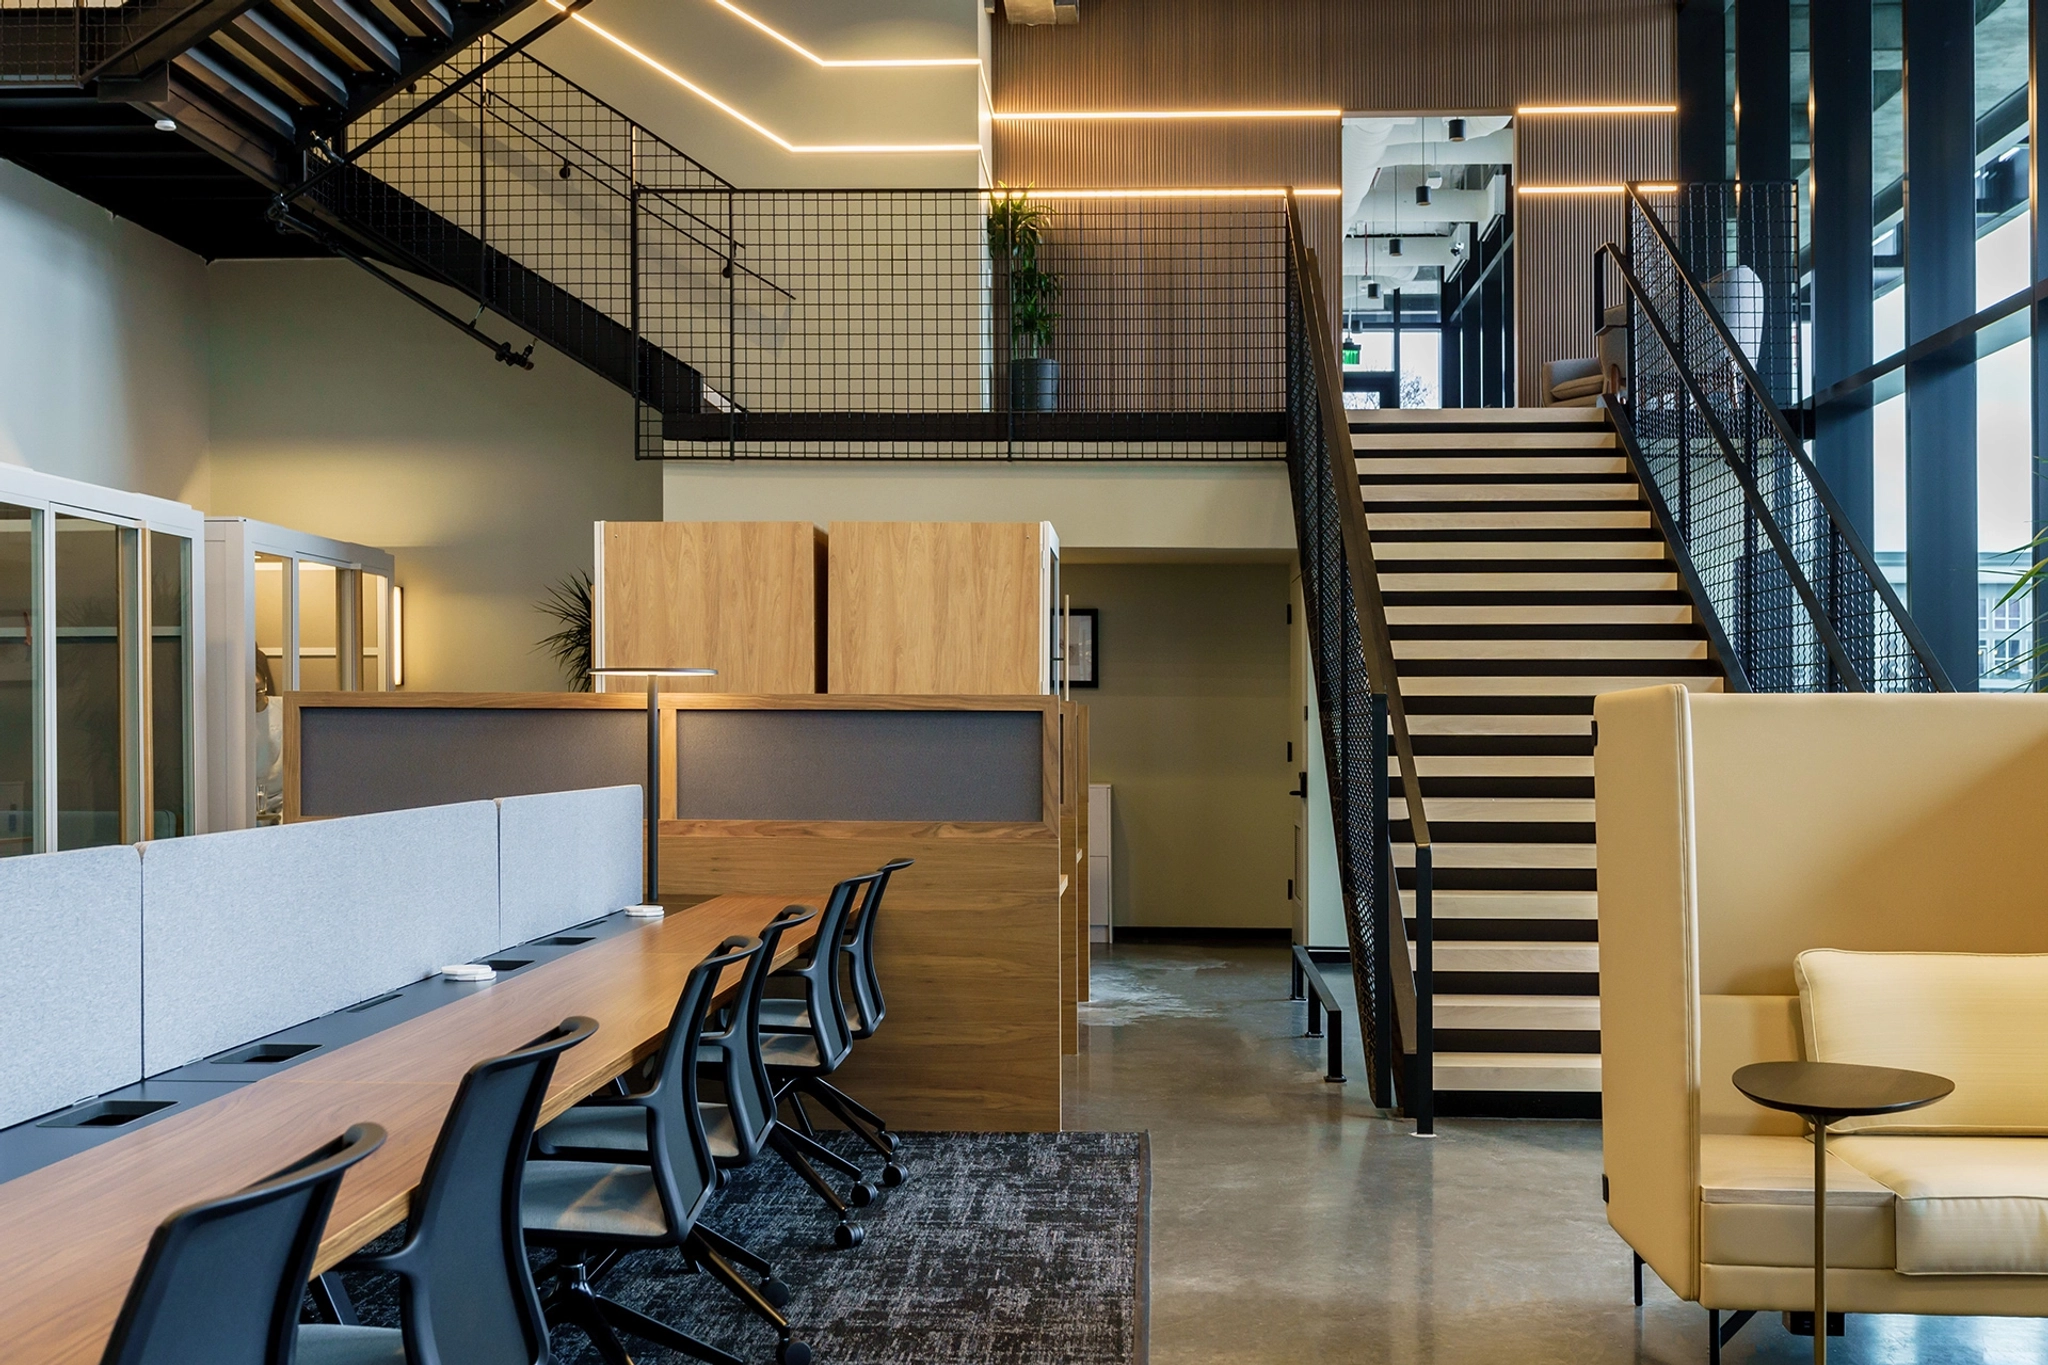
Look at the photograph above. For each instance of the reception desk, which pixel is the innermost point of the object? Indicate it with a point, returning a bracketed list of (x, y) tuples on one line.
[(981, 947)]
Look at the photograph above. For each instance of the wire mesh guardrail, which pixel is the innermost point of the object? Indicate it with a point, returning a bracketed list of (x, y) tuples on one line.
[(1800, 601), (826, 323), (64, 42)]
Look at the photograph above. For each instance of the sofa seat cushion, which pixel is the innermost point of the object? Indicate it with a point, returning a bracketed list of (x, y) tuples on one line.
[(1966, 1205), (1980, 1019), (1577, 388), (1756, 1205)]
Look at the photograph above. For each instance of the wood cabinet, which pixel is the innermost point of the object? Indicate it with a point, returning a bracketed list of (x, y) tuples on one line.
[(954, 608), (743, 597)]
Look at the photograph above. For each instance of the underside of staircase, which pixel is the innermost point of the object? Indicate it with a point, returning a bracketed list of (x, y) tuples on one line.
[(1523, 575)]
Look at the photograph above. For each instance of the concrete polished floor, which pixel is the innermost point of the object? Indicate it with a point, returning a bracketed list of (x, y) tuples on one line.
[(1291, 1221)]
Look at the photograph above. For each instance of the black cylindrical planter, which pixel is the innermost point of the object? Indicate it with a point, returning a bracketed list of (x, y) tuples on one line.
[(1034, 385)]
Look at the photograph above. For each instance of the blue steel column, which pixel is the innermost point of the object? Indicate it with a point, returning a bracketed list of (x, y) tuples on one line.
[(1941, 289), (1839, 109), (1763, 90), (1701, 150)]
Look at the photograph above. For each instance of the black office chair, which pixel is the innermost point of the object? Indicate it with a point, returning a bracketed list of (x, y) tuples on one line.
[(465, 1291), (865, 1010), (739, 1124), (222, 1281), (592, 1211)]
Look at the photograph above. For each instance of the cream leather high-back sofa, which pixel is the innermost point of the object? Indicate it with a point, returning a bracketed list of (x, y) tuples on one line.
[(1735, 832)]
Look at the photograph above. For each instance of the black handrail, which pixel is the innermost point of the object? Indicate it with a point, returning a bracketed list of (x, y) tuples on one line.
[(1412, 983), (1309, 985), (1759, 400)]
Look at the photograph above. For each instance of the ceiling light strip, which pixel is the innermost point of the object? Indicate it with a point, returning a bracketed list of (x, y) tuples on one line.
[(1591, 189), (1184, 192), (1105, 115), (794, 46), (920, 148), (1533, 110)]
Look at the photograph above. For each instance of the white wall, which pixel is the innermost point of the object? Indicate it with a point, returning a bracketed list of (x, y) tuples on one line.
[(1122, 507), (102, 344)]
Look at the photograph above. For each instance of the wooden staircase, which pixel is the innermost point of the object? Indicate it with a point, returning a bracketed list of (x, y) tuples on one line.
[(1523, 575)]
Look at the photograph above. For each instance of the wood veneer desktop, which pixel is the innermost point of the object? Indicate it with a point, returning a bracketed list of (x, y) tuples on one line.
[(72, 1234)]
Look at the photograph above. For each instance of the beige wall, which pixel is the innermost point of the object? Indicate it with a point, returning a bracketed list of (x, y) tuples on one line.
[(1190, 726), (341, 408)]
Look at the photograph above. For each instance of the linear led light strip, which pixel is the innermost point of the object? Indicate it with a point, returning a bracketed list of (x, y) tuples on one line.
[(1591, 189), (1528, 110), (794, 46), (1195, 192), (1079, 115), (756, 125)]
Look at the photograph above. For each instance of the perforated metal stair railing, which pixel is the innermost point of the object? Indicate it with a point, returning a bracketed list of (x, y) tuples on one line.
[(1800, 605)]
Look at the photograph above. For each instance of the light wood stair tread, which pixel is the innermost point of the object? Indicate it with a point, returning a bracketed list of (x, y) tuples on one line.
[(1569, 1071)]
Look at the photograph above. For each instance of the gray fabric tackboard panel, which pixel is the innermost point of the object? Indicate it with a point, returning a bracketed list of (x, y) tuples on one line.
[(248, 932), (70, 977), (357, 759), (860, 765), (566, 857)]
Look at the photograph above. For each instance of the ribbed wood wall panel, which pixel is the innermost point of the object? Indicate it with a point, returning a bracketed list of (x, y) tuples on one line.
[(1557, 234), (1385, 57)]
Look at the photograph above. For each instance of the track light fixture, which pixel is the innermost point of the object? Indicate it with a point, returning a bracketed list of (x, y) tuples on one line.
[(1455, 128)]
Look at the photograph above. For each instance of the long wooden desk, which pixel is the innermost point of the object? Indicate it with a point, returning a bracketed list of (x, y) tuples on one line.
[(72, 1234)]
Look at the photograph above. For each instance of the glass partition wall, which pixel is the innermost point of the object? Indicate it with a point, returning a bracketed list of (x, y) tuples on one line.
[(293, 613), (99, 677)]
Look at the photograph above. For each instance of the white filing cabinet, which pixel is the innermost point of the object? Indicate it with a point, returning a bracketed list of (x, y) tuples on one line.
[(1099, 930)]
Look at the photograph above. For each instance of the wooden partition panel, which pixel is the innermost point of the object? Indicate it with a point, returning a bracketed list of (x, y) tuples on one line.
[(972, 936), (924, 607), (967, 948), (743, 597)]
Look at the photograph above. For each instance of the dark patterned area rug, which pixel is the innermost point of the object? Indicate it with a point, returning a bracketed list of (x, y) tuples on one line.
[(1001, 1249)]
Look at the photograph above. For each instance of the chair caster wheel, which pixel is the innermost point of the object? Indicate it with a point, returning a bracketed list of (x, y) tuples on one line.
[(893, 1175), (888, 1140), (793, 1353), (775, 1291), (862, 1194), (847, 1236)]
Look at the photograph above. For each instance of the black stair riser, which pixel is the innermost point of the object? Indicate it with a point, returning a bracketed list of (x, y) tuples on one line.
[(1514, 745), (1558, 668), (1504, 705), (1517, 983), (1509, 535), (1517, 1104), (1369, 480), (1443, 597), (1523, 564), (1518, 505), (1443, 832), (1527, 788), (1460, 930), (1502, 878), (1534, 631), (1516, 1040)]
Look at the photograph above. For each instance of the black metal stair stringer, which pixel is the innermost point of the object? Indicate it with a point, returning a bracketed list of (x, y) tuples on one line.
[(399, 231)]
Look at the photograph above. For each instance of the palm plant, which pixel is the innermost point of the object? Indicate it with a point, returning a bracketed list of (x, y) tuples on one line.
[(2032, 662), (1016, 230), (569, 602)]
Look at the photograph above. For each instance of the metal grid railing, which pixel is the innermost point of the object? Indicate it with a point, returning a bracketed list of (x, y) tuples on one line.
[(821, 323), (1800, 601), (1353, 719), (64, 42)]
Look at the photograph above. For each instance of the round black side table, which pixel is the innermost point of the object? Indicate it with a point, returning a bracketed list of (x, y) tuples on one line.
[(1822, 1092)]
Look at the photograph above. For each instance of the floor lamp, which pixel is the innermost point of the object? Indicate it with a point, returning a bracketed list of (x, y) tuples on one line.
[(654, 677)]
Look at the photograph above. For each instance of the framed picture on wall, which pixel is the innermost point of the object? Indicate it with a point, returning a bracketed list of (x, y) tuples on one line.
[(1082, 667)]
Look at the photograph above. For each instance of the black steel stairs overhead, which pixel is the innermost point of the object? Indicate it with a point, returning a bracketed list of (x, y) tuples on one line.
[(248, 86)]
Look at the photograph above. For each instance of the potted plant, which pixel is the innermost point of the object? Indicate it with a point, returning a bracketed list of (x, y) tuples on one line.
[(1016, 229)]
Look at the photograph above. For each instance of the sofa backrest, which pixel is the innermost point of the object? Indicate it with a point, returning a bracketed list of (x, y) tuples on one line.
[(1736, 1030), (1980, 1019)]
